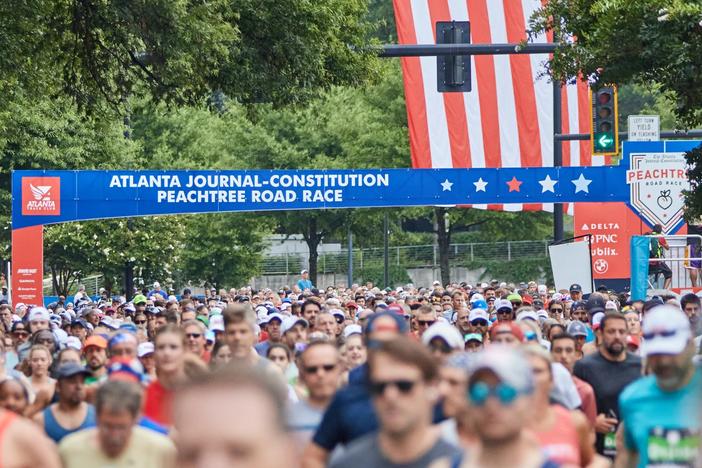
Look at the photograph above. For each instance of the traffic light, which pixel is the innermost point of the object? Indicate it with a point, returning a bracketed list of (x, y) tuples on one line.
[(453, 71), (604, 118)]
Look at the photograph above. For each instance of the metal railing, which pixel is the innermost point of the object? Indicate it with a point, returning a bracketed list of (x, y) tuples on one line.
[(678, 259), (92, 285), (411, 256)]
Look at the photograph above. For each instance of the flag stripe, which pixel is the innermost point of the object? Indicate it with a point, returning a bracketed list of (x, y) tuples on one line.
[(440, 156), (453, 102), (584, 118), (414, 89)]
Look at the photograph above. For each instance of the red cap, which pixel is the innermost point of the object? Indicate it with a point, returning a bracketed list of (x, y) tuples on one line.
[(633, 340), (351, 305), (527, 299), (506, 327)]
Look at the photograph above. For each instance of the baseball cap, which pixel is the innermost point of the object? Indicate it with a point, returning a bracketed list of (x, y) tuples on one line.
[(446, 332), (290, 322), (515, 298), (139, 299), (353, 329), (473, 337), (577, 328), (597, 319), (527, 299), (611, 305), (216, 323), (633, 340), (95, 340), (542, 289), (542, 315), (145, 348), (80, 322), (503, 304), (666, 330), (506, 327), (39, 313), (124, 369), (70, 369), (275, 316), (575, 287), (476, 297), (508, 364), (476, 314), (479, 304), (527, 314), (303, 272), (72, 342)]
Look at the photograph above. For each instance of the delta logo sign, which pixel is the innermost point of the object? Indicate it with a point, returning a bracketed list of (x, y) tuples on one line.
[(41, 196)]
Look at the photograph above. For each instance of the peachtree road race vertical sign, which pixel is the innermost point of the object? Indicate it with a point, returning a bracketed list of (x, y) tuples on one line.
[(656, 182), (47, 197)]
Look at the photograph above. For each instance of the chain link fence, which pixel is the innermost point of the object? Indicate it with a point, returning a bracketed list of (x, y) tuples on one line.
[(410, 256)]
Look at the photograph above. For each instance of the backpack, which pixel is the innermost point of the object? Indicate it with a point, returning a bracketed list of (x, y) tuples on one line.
[(655, 250)]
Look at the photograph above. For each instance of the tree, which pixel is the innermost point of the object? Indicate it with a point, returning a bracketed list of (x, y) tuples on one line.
[(222, 249), (181, 51), (630, 41), (66, 254)]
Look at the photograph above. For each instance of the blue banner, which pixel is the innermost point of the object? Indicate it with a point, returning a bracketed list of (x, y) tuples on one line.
[(48, 197), (640, 252)]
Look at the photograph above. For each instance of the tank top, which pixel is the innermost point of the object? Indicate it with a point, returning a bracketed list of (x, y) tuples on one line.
[(56, 432), (561, 442)]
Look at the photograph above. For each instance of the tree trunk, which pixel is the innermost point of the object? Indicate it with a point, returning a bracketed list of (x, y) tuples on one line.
[(313, 238), (443, 238)]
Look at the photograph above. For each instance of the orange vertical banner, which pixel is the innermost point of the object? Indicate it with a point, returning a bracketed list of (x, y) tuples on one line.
[(28, 265)]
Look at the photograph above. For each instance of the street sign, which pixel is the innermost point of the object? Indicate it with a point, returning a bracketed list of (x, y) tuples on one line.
[(644, 127)]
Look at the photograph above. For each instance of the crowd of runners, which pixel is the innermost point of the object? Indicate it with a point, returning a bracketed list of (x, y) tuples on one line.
[(491, 375)]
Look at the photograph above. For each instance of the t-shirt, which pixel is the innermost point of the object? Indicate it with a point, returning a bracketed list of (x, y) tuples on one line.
[(663, 427), (145, 448), (157, 403), (608, 379), (303, 420), (365, 452), (588, 404), (304, 284)]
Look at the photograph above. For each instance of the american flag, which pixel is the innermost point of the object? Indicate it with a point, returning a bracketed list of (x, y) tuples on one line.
[(507, 118)]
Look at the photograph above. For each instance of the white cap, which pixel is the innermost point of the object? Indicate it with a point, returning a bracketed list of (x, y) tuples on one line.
[(611, 305), (275, 315), (443, 330), (216, 322), (338, 313), (542, 289), (478, 314), (542, 314), (39, 313), (352, 330), (156, 284), (527, 314), (290, 322), (145, 348), (597, 318), (73, 342), (666, 330), (476, 297), (503, 304)]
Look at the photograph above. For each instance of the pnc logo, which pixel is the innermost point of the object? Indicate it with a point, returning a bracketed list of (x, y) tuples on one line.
[(41, 196)]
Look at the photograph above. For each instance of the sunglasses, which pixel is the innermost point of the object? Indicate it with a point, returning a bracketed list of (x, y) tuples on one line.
[(479, 322), (315, 369), (193, 335), (556, 309), (426, 323), (479, 393), (140, 322), (440, 346), (20, 333), (403, 386)]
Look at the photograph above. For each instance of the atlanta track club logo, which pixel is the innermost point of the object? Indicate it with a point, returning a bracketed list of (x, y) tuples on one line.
[(41, 196)]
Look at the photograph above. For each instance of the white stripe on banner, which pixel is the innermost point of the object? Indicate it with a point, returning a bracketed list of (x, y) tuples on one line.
[(471, 101), (436, 112), (573, 123), (509, 132), (543, 91)]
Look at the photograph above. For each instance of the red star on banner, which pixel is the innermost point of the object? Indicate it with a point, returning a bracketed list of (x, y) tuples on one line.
[(514, 184)]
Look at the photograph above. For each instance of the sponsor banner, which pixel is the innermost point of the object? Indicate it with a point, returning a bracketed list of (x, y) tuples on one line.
[(48, 197), (611, 225), (27, 265)]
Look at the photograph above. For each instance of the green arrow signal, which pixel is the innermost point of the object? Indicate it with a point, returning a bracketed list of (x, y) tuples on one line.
[(605, 140)]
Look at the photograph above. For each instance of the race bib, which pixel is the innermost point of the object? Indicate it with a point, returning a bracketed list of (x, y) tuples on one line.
[(610, 445), (672, 447)]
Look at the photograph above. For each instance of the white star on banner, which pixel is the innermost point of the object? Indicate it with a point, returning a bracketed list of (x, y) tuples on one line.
[(446, 186), (581, 184), (548, 185), (480, 185)]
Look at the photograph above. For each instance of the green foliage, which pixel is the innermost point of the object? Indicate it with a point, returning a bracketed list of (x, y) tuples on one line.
[(631, 41), (514, 270), (375, 274), (693, 197)]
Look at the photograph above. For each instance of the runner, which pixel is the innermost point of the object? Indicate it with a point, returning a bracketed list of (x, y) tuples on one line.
[(169, 355), (661, 412), (71, 413), (117, 440), (563, 350), (403, 382), (608, 371)]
